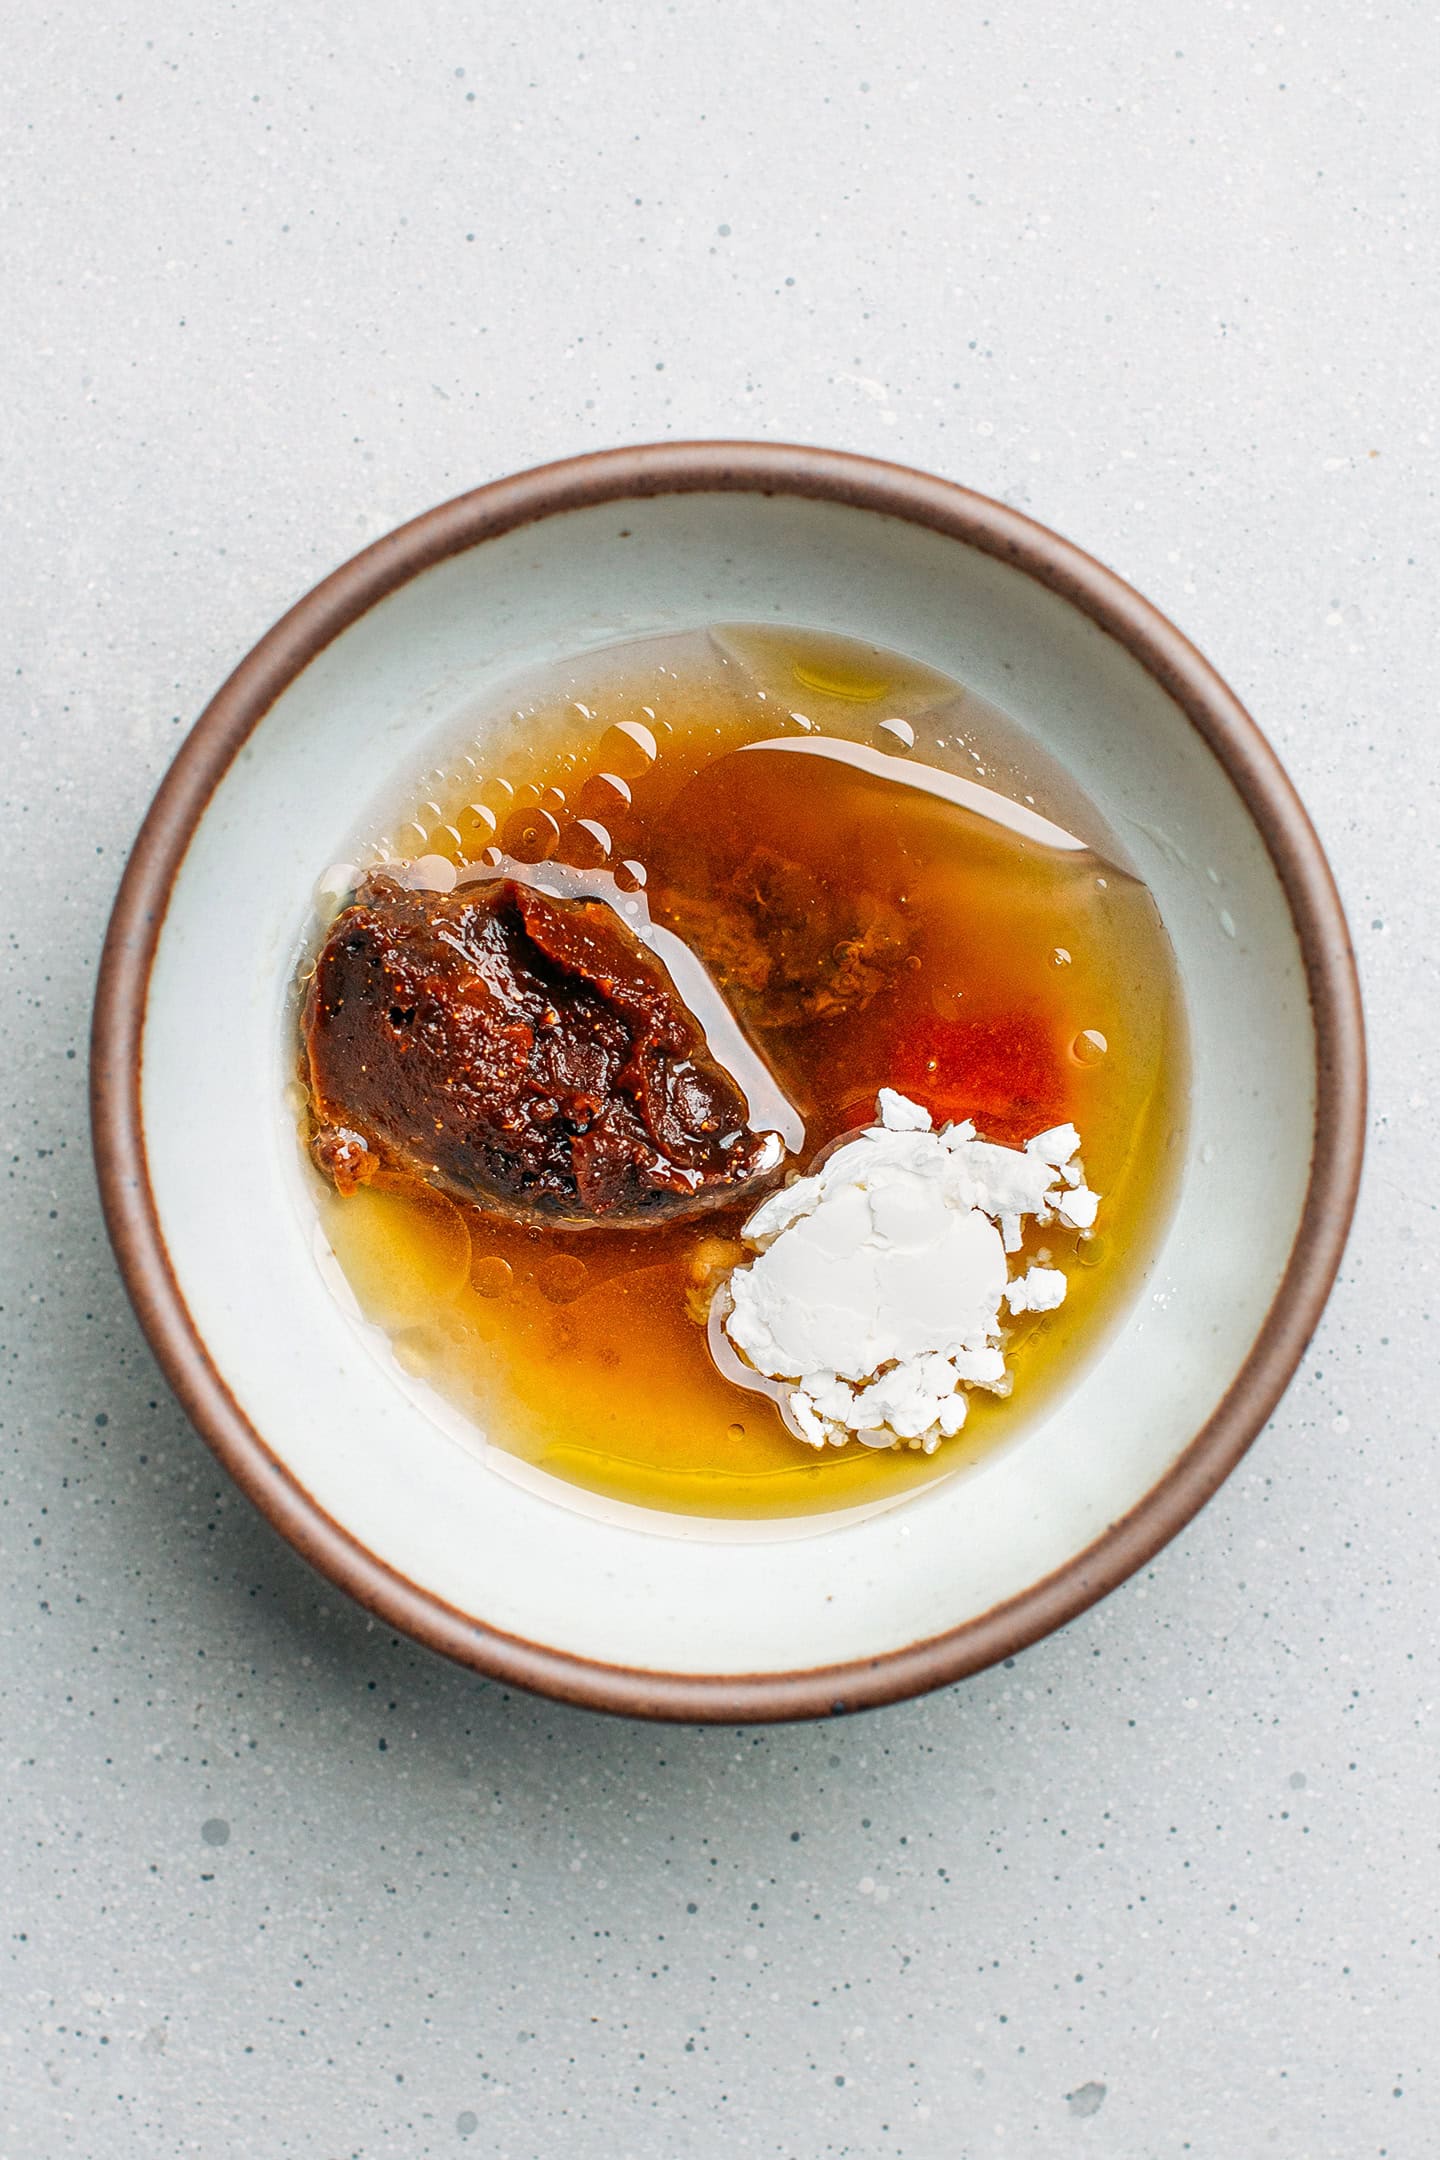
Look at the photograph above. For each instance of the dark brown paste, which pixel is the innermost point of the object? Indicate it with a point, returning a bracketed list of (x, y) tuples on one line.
[(521, 1051), (786, 944)]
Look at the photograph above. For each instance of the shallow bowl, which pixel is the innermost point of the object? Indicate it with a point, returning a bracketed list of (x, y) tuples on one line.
[(216, 1238)]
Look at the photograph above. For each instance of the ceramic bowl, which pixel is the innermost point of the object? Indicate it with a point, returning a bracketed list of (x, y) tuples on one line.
[(217, 1240)]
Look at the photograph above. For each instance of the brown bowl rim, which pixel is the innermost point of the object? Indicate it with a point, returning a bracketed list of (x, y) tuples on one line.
[(770, 469)]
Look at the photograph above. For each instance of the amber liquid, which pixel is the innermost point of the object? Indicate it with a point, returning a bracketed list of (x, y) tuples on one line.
[(927, 946)]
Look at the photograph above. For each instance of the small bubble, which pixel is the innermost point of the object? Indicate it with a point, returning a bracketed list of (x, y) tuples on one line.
[(1089, 1047), (628, 748), (563, 1278), (898, 735), (630, 876), (1060, 958), (1091, 1250), (734, 1432), (492, 1277)]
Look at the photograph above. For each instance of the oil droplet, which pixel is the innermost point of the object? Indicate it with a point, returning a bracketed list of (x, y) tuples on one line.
[(418, 1350), (628, 748), (563, 1278), (630, 876), (476, 827), (896, 735), (492, 1277), (407, 1256), (553, 800), (734, 1432), (433, 873), (1089, 1047), (1091, 1251), (501, 789), (338, 882), (1060, 957), (605, 795), (526, 796), (587, 844), (852, 683), (531, 836)]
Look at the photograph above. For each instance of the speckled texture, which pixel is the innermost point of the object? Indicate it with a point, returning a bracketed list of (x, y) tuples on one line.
[(277, 1884)]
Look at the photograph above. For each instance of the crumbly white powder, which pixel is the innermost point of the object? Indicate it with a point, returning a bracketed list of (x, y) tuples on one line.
[(880, 1282)]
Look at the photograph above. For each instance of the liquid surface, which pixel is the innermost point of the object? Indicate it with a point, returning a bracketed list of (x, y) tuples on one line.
[(892, 886)]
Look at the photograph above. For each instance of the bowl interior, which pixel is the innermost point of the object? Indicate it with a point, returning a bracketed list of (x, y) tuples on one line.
[(406, 1482)]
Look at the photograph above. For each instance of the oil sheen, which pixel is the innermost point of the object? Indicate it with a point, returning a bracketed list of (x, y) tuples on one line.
[(868, 859)]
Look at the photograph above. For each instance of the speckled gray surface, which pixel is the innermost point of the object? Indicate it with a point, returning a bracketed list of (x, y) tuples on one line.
[(278, 1884)]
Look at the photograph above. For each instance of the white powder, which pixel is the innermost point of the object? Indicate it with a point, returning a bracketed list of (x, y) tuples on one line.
[(880, 1281)]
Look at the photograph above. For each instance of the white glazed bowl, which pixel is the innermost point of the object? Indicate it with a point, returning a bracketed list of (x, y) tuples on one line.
[(196, 1146)]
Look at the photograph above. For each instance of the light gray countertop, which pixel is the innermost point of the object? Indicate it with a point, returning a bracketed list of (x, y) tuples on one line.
[(276, 1883)]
